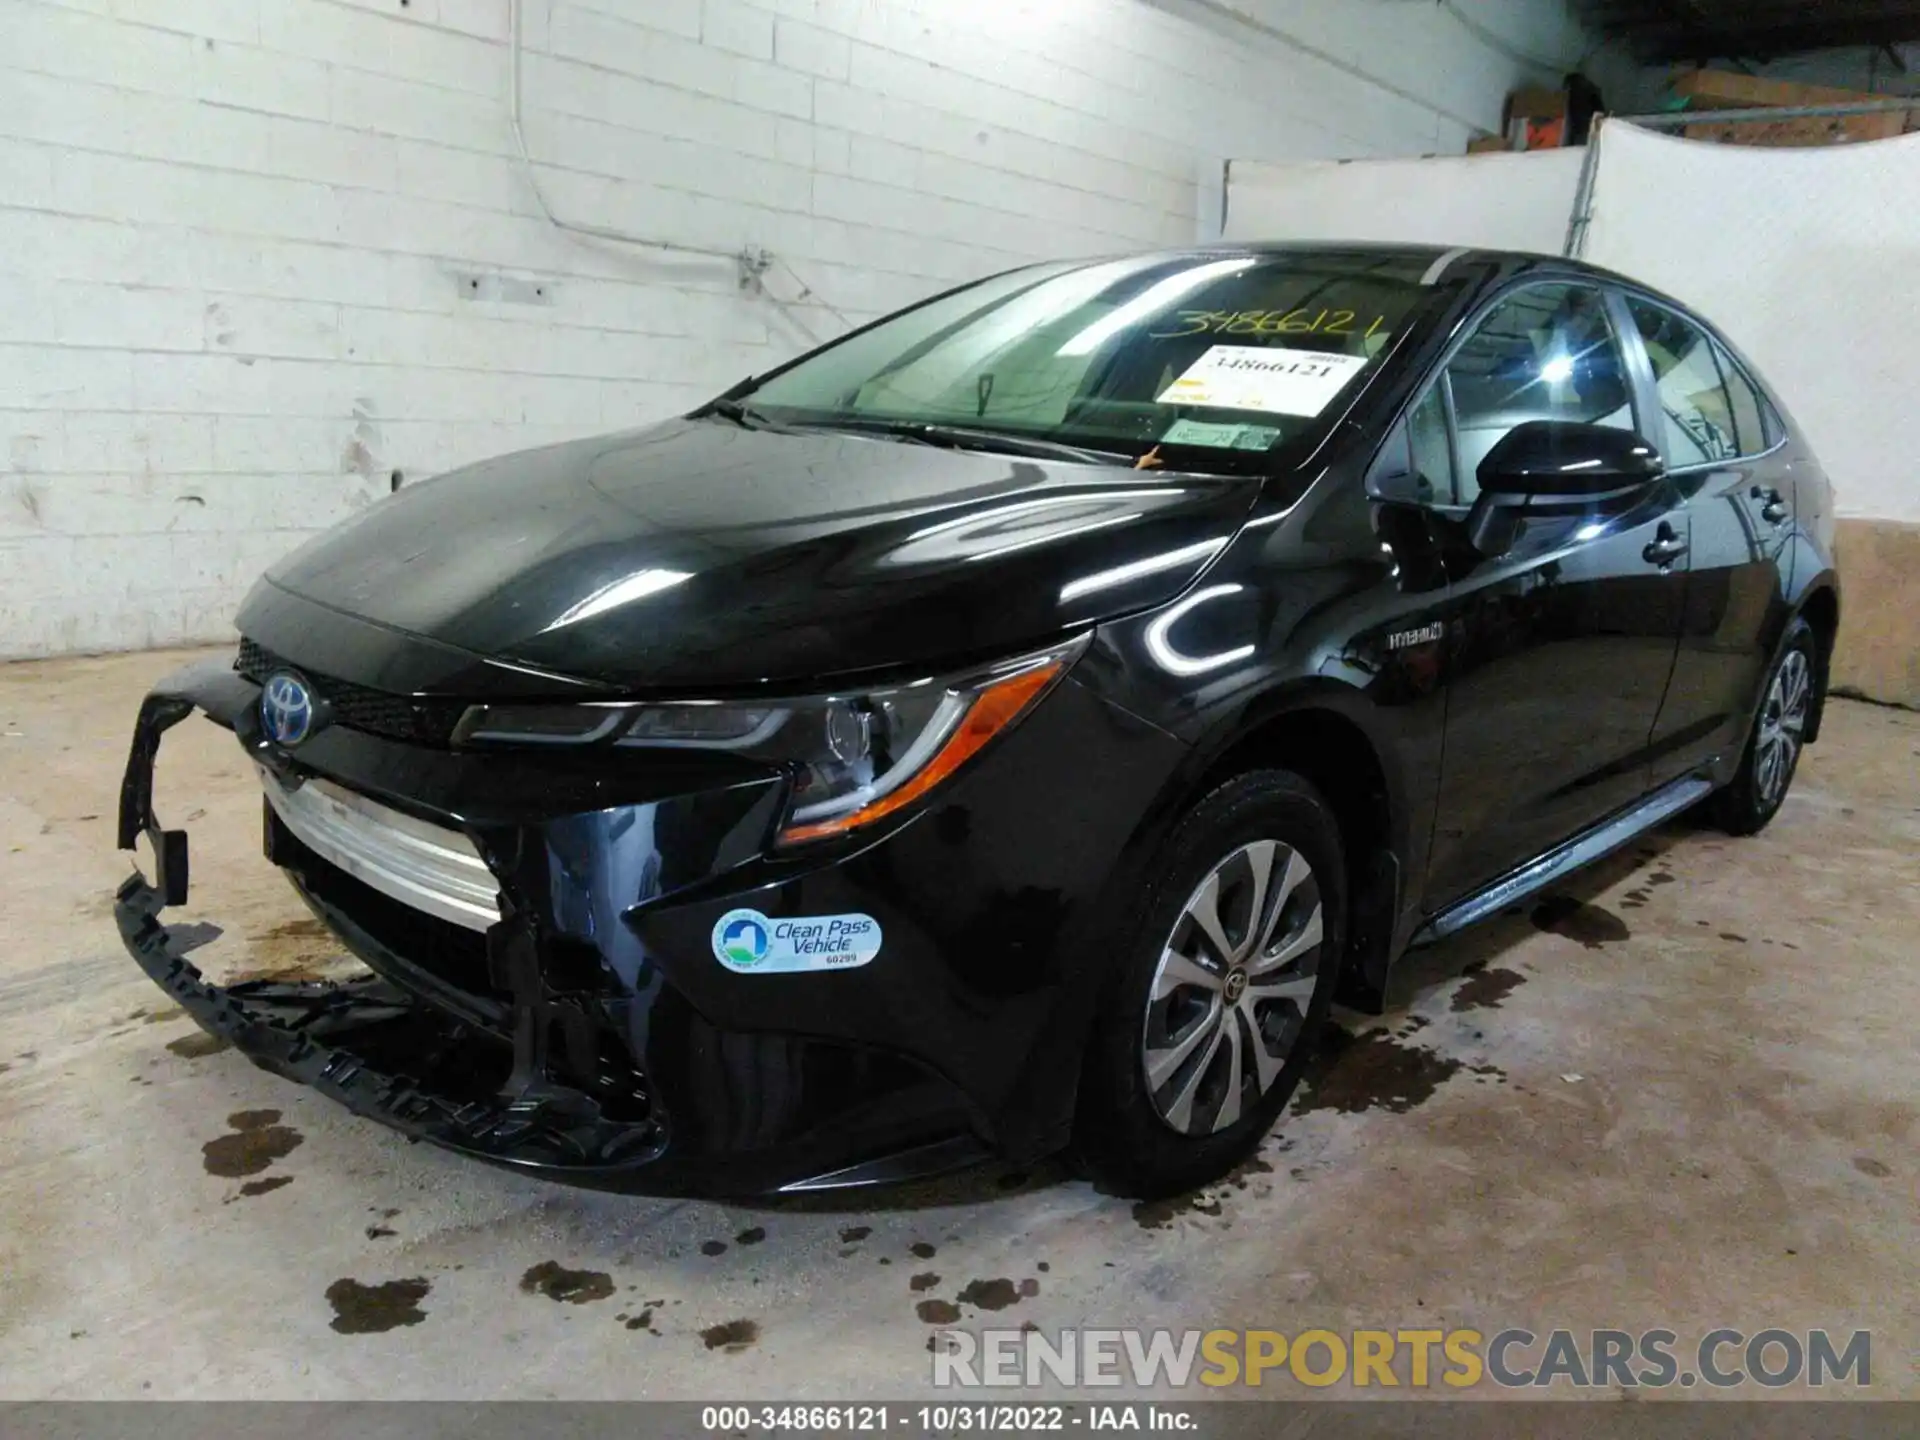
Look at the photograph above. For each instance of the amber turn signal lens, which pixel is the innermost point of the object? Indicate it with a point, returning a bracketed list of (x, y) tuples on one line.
[(993, 709)]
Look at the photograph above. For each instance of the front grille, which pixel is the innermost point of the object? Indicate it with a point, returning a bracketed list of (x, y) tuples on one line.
[(397, 717)]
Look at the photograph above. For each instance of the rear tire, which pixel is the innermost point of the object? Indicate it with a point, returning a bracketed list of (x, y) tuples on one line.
[(1775, 739), (1221, 990)]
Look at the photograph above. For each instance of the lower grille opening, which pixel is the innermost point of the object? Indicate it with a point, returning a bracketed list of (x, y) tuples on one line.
[(460, 1041), (445, 964)]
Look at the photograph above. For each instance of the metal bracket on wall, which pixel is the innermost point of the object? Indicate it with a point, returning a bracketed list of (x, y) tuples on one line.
[(753, 261)]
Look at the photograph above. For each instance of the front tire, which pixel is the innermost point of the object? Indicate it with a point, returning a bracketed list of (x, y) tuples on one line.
[(1754, 795), (1221, 991)]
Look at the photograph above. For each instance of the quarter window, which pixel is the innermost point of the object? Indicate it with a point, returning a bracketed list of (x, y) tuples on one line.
[(1546, 352), (1698, 425), (1749, 410)]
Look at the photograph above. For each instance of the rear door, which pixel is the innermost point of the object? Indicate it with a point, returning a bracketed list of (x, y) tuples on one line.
[(1560, 650), (1722, 450)]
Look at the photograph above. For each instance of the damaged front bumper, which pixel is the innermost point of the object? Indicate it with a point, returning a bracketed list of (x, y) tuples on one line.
[(578, 1022), (523, 1046)]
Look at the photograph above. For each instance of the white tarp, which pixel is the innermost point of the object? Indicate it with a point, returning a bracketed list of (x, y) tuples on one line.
[(1809, 259), (1505, 201)]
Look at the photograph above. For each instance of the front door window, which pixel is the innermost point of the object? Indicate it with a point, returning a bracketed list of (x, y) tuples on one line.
[(1547, 352)]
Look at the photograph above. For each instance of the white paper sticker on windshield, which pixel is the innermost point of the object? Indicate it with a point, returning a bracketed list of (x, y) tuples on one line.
[(1226, 437), (1254, 377)]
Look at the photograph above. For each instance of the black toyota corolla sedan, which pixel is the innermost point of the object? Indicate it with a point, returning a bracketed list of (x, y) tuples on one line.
[(1009, 727)]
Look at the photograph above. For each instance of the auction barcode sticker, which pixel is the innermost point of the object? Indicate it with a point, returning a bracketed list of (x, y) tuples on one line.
[(1254, 377)]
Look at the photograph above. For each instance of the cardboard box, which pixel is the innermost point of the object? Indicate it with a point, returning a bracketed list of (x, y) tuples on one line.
[(1535, 118), (1719, 90), (1803, 130), (1722, 90), (1536, 102)]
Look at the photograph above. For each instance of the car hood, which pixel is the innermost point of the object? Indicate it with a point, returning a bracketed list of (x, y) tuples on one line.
[(697, 553)]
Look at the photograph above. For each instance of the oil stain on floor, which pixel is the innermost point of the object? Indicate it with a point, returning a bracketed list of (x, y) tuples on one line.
[(1485, 987), (571, 1287), (293, 953), (732, 1336), (996, 1294), (198, 1045), (1574, 919), (261, 1187), (1160, 1214), (1371, 1071), (372, 1309), (257, 1140)]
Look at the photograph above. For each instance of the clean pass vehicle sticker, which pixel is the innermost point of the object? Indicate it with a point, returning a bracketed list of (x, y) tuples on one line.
[(1256, 377), (748, 943)]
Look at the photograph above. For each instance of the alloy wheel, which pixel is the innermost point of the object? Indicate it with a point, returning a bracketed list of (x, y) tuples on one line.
[(1783, 720), (1230, 994)]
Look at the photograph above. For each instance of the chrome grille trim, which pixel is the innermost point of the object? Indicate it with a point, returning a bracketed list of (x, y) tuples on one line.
[(427, 866)]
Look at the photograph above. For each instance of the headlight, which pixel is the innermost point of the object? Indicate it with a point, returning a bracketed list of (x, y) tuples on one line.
[(854, 758)]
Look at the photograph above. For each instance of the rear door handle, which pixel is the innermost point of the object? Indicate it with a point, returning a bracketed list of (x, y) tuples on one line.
[(1665, 547), (1774, 511)]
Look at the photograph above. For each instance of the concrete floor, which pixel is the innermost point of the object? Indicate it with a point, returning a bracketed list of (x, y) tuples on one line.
[(1683, 1093)]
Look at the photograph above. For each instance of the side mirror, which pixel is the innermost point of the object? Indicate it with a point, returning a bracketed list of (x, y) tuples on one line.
[(1557, 466)]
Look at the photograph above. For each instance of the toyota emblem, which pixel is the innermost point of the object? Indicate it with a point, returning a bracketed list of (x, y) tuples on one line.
[(286, 709)]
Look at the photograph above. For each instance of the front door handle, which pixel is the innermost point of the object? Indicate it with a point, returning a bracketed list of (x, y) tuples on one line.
[(1665, 547), (1774, 510)]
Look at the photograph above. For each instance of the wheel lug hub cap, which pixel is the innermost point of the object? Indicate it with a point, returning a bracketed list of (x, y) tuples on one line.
[(1236, 985)]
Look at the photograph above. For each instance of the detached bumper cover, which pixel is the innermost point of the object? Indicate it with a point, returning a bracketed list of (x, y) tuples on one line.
[(286, 1029)]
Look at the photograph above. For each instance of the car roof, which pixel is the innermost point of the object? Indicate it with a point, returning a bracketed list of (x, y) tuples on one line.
[(1438, 261), (1412, 253)]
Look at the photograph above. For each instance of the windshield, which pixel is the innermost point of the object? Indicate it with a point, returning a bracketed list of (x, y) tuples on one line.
[(1216, 361)]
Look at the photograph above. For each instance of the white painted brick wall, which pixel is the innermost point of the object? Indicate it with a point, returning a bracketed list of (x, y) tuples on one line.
[(233, 232)]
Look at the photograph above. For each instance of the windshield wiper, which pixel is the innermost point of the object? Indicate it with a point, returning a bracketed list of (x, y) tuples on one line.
[(965, 437), (742, 414), (945, 437)]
